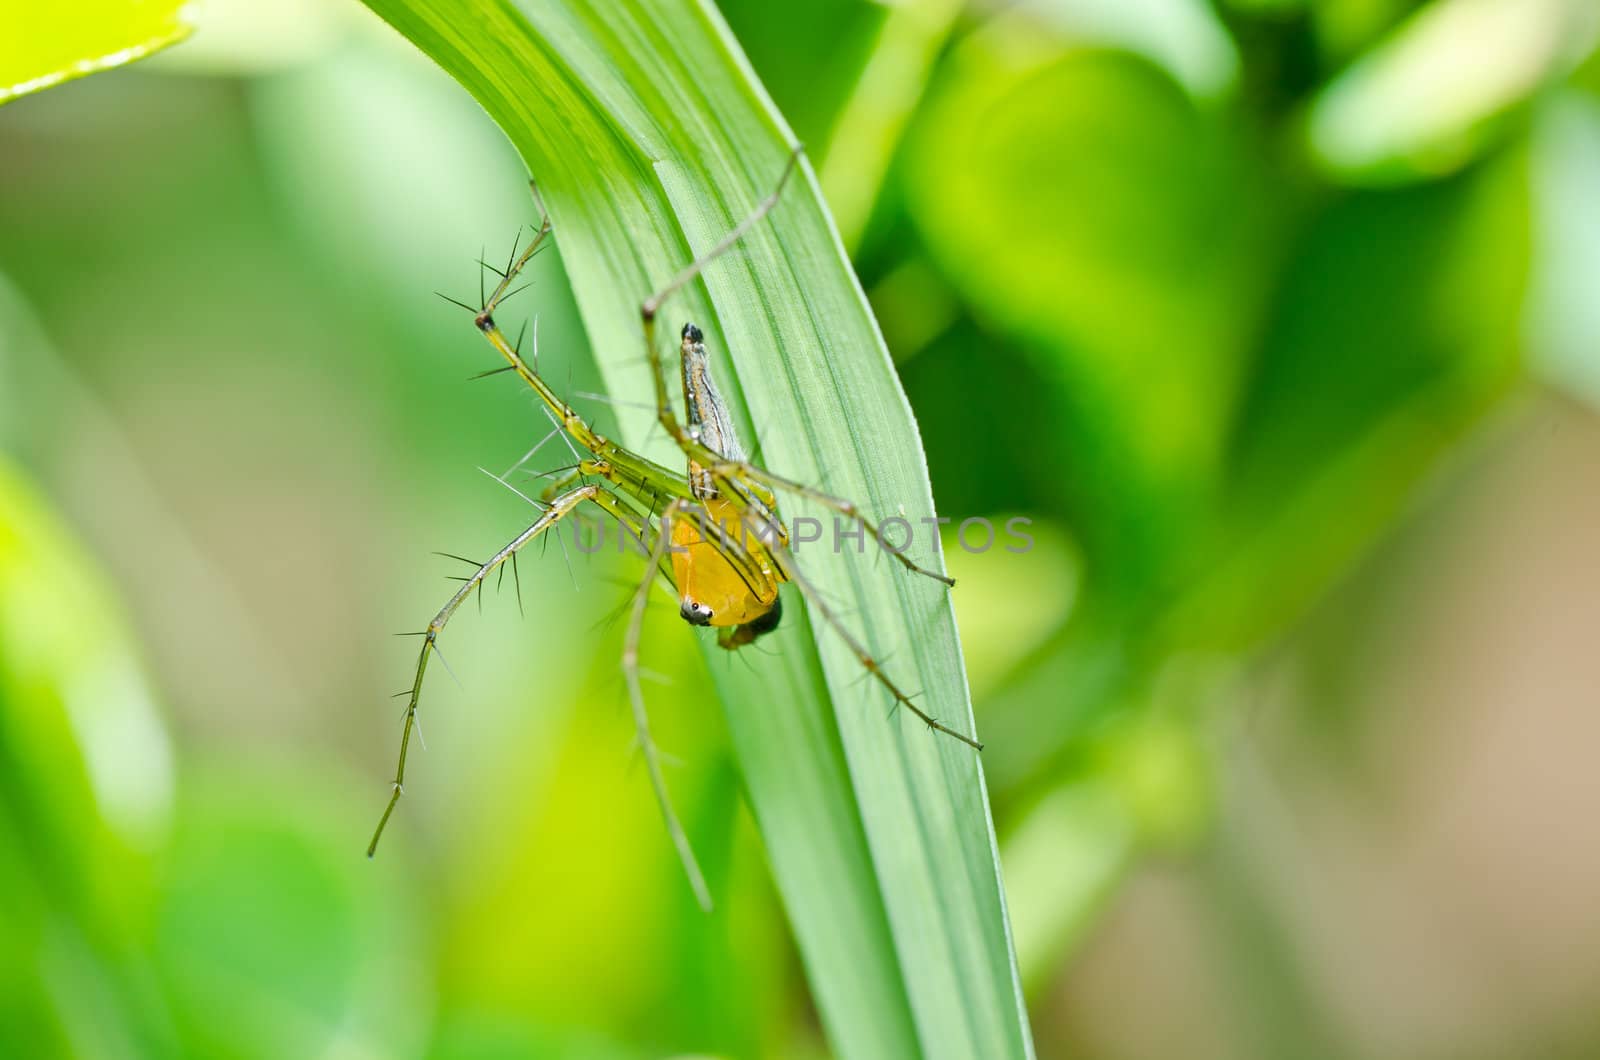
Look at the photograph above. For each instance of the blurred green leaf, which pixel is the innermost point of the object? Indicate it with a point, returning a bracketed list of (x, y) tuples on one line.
[(1424, 101), (1063, 861), (1563, 316), (809, 56), (491, 1036), (1397, 327), (1008, 610), (868, 127), (1183, 37), (1345, 27), (1100, 217), (271, 938), (45, 44), (1587, 76), (85, 785), (1226, 441), (650, 140)]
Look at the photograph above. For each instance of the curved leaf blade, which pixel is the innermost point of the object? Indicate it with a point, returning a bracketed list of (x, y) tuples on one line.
[(650, 138)]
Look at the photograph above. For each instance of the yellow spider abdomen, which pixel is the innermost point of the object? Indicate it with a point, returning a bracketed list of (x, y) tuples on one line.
[(712, 589)]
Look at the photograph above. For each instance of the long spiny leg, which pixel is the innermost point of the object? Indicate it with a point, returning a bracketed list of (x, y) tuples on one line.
[(736, 549), (734, 477), (641, 480), (791, 571), (638, 525), (559, 509), (627, 470), (632, 503), (734, 469), (565, 416), (641, 721), (514, 266), (695, 267), (561, 479), (652, 305)]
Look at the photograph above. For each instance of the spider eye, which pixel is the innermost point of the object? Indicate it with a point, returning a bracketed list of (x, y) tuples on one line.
[(695, 613)]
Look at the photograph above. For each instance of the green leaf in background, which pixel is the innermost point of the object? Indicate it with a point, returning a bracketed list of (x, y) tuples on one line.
[(1425, 101), (1396, 328), (650, 139), (1563, 319), (45, 44), (1251, 370), (1125, 279), (846, 75), (86, 783), (271, 940)]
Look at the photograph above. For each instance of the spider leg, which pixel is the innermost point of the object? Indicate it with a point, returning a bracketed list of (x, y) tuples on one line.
[(559, 509), (561, 481), (641, 721), (631, 483), (820, 606), (644, 534), (694, 268), (838, 505), (651, 306), (626, 469)]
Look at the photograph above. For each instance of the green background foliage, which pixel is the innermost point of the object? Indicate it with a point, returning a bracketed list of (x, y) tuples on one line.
[(46, 44), (1231, 300)]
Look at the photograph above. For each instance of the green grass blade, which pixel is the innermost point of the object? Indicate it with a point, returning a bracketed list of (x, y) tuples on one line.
[(650, 138)]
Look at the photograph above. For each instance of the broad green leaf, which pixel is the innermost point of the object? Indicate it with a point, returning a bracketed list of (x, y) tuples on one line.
[(45, 44), (650, 138)]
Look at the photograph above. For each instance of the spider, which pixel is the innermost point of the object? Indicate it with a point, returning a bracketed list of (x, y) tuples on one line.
[(713, 533)]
